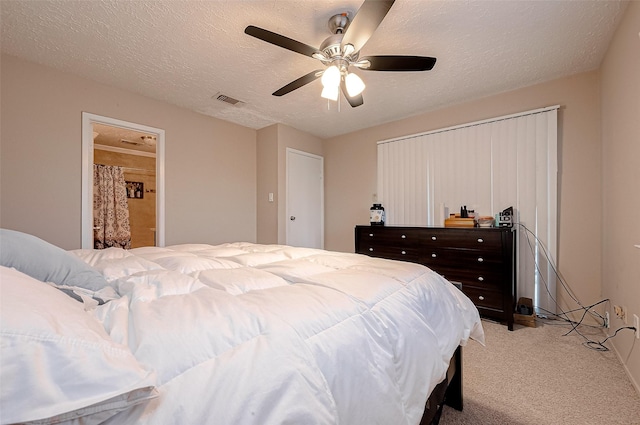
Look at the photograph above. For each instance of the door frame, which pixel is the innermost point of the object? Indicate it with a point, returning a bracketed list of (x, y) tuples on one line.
[(88, 120), (287, 212)]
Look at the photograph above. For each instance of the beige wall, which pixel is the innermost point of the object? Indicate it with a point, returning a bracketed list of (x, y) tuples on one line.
[(210, 166), (289, 137), (267, 218), (217, 174), (351, 170), (273, 142), (621, 181)]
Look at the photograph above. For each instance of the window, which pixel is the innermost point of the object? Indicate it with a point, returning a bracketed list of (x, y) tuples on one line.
[(487, 166)]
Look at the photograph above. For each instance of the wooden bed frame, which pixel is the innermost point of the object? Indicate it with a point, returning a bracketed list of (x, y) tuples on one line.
[(448, 392)]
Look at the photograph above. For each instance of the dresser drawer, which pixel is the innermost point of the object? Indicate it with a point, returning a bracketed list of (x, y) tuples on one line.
[(463, 239), (484, 279), (484, 298), (399, 236), (389, 251), (461, 258), (388, 242)]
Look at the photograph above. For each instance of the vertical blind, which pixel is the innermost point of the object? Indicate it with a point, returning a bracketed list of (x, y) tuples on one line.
[(487, 166)]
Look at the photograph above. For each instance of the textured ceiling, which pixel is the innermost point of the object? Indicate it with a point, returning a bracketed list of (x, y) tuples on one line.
[(184, 52)]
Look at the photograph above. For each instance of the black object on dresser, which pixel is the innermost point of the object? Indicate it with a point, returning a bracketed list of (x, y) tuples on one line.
[(480, 260)]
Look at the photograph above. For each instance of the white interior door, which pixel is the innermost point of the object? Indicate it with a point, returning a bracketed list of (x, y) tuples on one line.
[(305, 199)]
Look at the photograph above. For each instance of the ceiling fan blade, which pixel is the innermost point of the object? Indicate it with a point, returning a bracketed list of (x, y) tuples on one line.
[(365, 22), (397, 63), (280, 40), (354, 101), (296, 84)]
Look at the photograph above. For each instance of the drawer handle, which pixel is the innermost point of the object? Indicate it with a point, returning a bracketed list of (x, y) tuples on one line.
[(481, 298), (434, 255), (404, 237), (480, 278), (371, 234), (371, 249), (433, 238), (404, 252), (480, 259), (480, 240)]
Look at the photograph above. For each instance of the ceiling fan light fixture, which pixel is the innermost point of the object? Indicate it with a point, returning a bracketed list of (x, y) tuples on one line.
[(148, 140), (331, 77), (354, 84), (331, 93)]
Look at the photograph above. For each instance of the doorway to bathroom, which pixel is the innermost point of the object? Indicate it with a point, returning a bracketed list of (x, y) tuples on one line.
[(132, 156)]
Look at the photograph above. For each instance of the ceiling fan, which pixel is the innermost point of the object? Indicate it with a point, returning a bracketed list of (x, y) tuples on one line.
[(341, 51)]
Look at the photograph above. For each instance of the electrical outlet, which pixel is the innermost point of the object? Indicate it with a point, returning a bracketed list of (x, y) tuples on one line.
[(636, 324), (607, 320), (621, 313)]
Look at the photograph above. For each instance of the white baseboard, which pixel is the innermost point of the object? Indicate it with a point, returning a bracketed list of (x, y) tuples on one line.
[(635, 384)]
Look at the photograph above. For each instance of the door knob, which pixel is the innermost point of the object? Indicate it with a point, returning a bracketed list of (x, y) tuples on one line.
[(292, 218)]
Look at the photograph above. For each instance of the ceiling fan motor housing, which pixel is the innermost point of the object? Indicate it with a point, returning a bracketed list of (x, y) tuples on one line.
[(338, 23), (331, 47)]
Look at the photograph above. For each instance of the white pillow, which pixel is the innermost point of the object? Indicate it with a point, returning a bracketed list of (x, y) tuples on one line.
[(58, 364), (46, 262)]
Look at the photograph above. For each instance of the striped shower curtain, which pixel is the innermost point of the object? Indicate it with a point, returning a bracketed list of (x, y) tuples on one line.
[(110, 209)]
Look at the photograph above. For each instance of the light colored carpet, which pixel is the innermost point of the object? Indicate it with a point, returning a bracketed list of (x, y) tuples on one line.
[(538, 376)]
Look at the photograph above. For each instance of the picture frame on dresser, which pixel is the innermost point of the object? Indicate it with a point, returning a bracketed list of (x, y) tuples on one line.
[(479, 261)]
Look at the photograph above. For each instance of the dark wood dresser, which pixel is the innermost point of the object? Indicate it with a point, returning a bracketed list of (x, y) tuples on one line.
[(480, 260)]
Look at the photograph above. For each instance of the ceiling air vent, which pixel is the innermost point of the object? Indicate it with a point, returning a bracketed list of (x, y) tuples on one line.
[(130, 142), (226, 99)]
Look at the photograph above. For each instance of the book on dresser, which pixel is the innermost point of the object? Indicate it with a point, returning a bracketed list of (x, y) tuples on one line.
[(480, 261)]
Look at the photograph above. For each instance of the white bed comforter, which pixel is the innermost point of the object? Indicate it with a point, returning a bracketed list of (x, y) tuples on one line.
[(268, 334)]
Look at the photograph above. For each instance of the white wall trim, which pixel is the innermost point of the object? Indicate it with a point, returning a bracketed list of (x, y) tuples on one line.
[(624, 362), (88, 120)]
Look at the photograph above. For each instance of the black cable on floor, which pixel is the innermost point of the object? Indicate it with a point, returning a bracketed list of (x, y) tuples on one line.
[(560, 279), (599, 346), (564, 315)]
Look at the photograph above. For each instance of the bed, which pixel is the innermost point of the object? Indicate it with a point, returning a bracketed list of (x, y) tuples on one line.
[(237, 333)]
